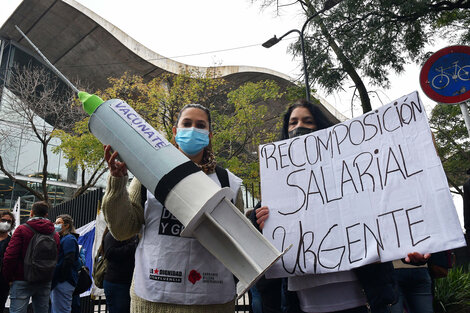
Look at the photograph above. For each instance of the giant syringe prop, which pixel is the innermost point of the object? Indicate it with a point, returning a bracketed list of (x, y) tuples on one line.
[(189, 194)]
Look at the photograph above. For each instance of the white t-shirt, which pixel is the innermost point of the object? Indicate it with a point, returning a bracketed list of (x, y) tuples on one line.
[(328, 292), (178, 270)]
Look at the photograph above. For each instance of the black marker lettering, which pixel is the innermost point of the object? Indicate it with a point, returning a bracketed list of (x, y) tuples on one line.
[(394, 222), (281, 156), (265, 154), (355, 164), (296, 186), (413, 243), (290, 154), (397, 169), (350, 243), (338, 265)]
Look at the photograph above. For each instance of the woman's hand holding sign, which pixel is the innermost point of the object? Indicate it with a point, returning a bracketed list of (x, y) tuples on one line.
[(262, 215), (417, 258)]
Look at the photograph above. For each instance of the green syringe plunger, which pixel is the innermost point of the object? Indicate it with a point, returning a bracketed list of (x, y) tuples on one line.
[(90, 102)]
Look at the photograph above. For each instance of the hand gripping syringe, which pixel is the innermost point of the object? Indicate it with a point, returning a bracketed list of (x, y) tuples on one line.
[(189, 194)]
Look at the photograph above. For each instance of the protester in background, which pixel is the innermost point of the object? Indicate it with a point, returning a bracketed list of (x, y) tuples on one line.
[(254, 295), (21, 291), (273, 295), (76, 296), (7, 224), (415, 284), (118, 276), (370, 288), (466, 211), (170, 270), (66, 272), (414, 288)]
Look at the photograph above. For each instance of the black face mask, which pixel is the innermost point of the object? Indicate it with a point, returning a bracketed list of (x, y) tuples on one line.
[(299, 131)]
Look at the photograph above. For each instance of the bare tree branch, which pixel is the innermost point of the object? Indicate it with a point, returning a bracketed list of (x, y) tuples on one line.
[(40, 104)]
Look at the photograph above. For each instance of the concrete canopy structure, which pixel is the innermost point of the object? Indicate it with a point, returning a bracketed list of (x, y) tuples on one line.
[(83, 45)]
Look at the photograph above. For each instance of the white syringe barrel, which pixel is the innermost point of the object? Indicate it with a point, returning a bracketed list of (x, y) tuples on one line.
[(157, 164), (189, 194)]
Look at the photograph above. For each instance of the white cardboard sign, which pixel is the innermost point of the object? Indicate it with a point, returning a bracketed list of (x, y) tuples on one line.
[(366, 190)]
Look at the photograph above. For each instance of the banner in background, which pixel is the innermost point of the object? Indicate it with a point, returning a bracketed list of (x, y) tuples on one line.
[(86, 240), (16, 212)]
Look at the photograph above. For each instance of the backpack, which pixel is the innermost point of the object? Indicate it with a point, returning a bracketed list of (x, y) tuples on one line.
[(41, 257), (100, 264), (440, 262), (84, 279), (6, 241)]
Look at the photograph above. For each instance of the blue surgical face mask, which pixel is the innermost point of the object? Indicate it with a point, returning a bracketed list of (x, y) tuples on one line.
[(192, 140), (58, 227)]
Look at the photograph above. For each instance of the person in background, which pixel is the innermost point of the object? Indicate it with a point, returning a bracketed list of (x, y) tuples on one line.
[(368, 289), (466, 211), (66, 272), (76, 297), (414, 288), (118, 276), (21, 291), (172, 273), (7, 224), (255, 297)]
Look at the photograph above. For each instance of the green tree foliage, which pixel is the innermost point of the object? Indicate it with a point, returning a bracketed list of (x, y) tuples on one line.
[(160, 99), (84, 153), (364, 40), (241, 119), (238, 134), (453, 144)]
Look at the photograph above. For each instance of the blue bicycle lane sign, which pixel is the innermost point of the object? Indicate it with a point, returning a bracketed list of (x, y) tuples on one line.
[(445, 76)]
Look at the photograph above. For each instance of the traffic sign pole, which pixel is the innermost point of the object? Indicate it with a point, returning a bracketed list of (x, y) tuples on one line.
[(466, 116)]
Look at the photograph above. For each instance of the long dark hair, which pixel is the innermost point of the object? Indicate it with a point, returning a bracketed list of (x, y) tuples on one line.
[(320, 118), (196, 106), (208, 159)]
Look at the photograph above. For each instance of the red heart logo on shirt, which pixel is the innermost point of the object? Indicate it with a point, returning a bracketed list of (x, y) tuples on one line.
[(194, 276)]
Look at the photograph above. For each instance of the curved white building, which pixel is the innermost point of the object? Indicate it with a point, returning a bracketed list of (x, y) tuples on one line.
[(83, 45)]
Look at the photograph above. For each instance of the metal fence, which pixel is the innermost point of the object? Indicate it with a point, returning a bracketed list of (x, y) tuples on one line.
[(83, 210), (98, 305)]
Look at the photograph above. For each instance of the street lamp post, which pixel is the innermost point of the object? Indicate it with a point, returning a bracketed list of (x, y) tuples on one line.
[(274, 40)]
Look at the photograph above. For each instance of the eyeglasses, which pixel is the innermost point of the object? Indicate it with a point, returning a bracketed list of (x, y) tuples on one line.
[(3, 220)]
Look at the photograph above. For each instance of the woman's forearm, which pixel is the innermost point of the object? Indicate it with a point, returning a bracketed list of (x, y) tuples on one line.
[(122, 210)]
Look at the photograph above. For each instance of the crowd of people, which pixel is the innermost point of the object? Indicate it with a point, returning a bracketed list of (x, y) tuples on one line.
[(41, 263), (153, 270)]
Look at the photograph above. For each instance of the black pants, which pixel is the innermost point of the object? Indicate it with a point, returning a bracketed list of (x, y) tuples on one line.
[(275, 297), (4, 291)]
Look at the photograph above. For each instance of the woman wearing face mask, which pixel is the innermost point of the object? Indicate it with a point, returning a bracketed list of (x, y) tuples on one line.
[(367, 289), (7, 223), (172, 273), (66, 271)]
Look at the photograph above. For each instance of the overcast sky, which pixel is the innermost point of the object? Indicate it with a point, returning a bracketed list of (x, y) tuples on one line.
[(196, 32), (229, 32)]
